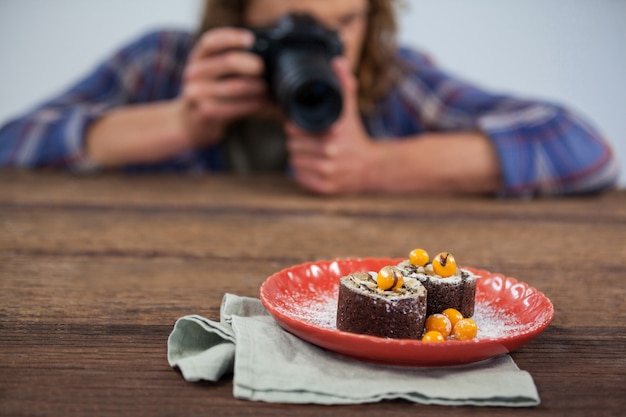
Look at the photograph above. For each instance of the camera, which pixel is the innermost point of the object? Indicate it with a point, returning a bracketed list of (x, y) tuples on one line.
[(297, 53)]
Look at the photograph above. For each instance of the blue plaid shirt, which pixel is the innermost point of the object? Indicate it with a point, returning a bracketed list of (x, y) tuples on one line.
[(543, 148)]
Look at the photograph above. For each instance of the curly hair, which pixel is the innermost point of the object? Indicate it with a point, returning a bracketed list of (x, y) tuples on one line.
[(375, 70)]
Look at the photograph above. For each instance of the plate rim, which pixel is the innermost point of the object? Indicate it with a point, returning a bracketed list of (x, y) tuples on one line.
[(509, 342)]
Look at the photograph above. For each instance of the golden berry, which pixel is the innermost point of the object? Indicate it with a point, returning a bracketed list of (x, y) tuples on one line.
[(433, 336), (465, 329), (419, 257), (439, 323), (453, 315), (444, 264), (389, 278)]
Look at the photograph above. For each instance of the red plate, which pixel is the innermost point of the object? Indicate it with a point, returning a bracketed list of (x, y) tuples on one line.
[(302, 299)]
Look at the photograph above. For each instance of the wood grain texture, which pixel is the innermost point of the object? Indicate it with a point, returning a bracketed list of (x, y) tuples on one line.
[(95, 270)]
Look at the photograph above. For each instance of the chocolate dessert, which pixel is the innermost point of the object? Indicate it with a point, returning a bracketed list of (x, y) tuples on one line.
[(365, 308), (457, 291)]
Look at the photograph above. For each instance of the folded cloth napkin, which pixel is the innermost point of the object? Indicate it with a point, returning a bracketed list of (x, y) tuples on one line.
[(272, 365)]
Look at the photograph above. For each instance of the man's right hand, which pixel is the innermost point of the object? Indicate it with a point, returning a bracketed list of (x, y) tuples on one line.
[(222, 82)]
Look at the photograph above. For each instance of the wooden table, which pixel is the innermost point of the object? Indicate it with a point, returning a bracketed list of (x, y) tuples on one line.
[(95, 270)]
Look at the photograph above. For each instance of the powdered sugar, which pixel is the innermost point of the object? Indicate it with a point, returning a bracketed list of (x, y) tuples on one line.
[(320, 312), (493, 322)]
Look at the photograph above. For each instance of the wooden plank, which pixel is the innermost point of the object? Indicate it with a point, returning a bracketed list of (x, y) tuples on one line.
[(260, 194), (102, 290), (304, 236), (109, 370)]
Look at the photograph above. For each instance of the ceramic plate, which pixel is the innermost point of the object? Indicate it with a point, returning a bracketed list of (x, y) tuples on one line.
[(303, 300)]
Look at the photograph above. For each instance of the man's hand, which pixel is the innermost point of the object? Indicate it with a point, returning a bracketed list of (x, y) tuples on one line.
[(222, 82), (336, 161)]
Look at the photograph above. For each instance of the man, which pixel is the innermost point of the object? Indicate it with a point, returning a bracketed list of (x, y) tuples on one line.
[(174, 101)]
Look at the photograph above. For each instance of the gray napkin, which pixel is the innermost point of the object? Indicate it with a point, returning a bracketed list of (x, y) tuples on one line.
[(272, 365)]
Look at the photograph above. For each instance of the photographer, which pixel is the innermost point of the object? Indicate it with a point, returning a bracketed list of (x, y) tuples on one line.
[(174, 101)]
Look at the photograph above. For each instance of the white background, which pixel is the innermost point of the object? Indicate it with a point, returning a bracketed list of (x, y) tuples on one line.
[(569, 51)]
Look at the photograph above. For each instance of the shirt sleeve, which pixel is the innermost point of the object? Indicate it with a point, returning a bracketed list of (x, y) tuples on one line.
[(52, 135), (543, 148)]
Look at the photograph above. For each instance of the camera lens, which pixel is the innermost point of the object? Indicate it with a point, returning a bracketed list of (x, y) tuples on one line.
[(311, 94), (308, 90)]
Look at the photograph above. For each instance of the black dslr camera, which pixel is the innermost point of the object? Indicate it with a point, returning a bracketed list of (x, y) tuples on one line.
[(297, 52)]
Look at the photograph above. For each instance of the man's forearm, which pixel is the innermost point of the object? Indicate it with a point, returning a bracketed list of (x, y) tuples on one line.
[(437, 163), (137, 134)]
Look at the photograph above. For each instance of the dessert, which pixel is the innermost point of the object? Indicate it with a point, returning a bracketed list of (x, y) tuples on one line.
[(453, 315), (438, 323), (384, 304), (450, 323), (416, 299), (465, 329), (433, 336), (447, 285)]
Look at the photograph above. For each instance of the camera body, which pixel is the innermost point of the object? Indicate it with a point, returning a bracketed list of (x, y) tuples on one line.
[(297, 53)]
